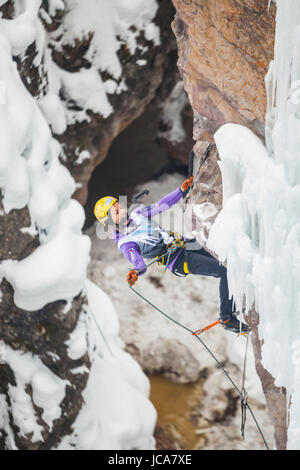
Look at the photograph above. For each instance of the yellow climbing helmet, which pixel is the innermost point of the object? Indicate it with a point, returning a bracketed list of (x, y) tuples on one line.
[(102, 207)]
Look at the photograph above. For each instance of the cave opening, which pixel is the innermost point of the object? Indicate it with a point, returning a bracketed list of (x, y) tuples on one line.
[(133, 159)]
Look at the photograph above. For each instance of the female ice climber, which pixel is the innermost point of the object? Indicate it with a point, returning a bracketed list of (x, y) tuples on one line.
[(138, 236)]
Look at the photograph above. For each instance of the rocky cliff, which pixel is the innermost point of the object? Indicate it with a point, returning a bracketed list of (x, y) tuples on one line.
[(223, 50), (224, 53)]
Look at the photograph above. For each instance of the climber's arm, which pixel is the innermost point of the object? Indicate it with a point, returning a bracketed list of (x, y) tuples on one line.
[(132, 252), (167, 201)]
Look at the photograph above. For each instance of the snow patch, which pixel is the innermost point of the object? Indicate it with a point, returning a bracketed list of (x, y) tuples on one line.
[(172, 115), (48, 391), (77, 343)]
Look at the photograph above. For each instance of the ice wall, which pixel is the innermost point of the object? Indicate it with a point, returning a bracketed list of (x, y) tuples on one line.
[(283, 143), (258, 229)]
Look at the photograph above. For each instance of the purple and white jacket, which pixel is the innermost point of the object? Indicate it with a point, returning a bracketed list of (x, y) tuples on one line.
[(144, 238)]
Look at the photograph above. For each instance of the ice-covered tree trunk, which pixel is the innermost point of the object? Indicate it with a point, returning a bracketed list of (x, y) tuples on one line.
[(59, 346)]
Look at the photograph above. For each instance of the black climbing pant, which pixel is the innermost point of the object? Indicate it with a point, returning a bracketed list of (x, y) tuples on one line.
[(199, 261)]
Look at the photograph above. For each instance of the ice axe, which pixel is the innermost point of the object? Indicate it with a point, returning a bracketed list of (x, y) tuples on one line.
[(140, 194)]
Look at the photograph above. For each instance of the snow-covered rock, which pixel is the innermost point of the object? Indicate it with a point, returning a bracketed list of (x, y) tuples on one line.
[(57, 363), (102, 62), (117, 416), (260, 220)]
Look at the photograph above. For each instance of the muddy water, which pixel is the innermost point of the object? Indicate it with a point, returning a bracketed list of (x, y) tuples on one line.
[(177, 406)]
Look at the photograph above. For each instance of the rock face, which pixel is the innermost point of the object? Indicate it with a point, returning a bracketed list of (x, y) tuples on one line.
[(151, 77), (148, 75), (172, 359), (275, 396), (224, 50), (205, 200)]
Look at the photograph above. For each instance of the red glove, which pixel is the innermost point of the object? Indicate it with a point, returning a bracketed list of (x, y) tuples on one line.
[(132, 277), (186, 184)]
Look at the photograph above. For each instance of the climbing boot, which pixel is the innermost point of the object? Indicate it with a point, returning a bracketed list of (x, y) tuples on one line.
[(231, 323)]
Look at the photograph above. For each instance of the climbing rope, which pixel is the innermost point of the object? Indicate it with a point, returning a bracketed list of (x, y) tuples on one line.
[(171, 248), (244, 395), (245, 404), (101, 332)]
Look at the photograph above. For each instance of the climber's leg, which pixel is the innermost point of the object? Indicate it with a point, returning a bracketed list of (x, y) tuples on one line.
[(203, 263)]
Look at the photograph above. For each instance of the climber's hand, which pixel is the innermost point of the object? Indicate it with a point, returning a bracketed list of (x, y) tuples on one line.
[(132, 277), (186, 184)]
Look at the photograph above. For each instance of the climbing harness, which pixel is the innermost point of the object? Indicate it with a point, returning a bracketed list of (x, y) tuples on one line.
[(191, 163), (242, 393), (165, 258)]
